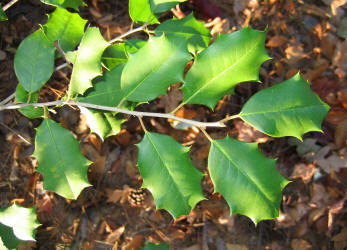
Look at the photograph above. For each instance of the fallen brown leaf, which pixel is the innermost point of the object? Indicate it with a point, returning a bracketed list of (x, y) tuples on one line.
[(276, 41), (301, 244)]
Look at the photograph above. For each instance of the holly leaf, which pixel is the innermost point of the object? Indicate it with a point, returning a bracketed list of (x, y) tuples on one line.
[(7, 238), (86, 61), (133, 45), (168, 173), (22, 96), (188, 28), (106, 90), (17, 224), (159, 6), (231, 59), (156, 246), (118, 53), (3, 16), (140, 12), (114, 56), (289, 108), (103, 124), (248, 181), (34, 61), (61, 163), (168, 58), (73, 4), (66, 27)]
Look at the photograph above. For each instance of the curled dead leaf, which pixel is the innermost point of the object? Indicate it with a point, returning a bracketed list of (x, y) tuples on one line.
[(276, 41)]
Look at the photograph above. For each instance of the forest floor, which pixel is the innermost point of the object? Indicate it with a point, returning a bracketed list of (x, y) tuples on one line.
[(305, 36)]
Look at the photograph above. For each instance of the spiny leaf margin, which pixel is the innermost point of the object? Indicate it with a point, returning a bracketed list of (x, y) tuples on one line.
[(248, 181), (168, 173)]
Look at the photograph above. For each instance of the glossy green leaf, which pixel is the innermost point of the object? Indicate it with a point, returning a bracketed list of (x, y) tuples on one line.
[(165, 60), (103, 124), (289, 108), (114, 56), (3, 16), (168, 173), (133, 45), (86, 61), (61, 163), (34, 61), (66, 27), (118, 53), (7, 238), (140, 12), (197, 36), (159, 6), (22, 96), (231, 59), (106, 90), (21, 220), (156, 246), (74, 4), (248, 181)]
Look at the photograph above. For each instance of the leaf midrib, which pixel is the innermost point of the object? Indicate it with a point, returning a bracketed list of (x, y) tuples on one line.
[(245, 175), (223, 72), (184, 33), (167, 168), (34, 66), (282, 110), (149, 74), (61, 161)]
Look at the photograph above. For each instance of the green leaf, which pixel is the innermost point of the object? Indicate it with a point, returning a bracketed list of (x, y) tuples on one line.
[(118, 53), (156, 246), (87, 61), (7, 238), (133, 45), (168, 173), (3, 16), (34, 61), (106, 90), (22, 96), (66, 27), (197, 36), (289, 108), (115, 55), (74, 4), (140, 12), (159, 6), (61, 163), (231, 59), (21, 220), (168, 59), (102, 124), (248, 181)]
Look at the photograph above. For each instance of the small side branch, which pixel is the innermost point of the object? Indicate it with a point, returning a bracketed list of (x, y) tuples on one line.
[(116, 39), (115, 109), (9, 98), (7, 6)]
